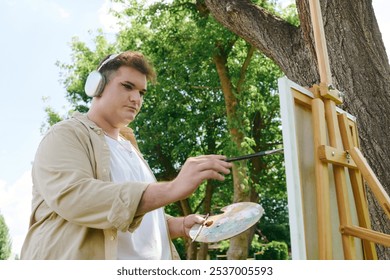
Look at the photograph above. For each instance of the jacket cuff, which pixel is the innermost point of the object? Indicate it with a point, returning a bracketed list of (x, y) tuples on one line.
[(124, 207)]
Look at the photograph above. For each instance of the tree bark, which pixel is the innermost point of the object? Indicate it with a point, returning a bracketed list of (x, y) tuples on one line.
[(191, 247), (359, 67), (238, 248), (204, 247)]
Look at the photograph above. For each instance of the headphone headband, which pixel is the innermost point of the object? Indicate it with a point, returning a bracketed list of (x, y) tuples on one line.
[(110, 58)]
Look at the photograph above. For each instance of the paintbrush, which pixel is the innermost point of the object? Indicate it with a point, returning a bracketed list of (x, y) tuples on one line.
[(263, 153)]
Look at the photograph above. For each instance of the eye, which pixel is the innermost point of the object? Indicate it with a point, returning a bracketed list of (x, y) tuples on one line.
[(127, 86)]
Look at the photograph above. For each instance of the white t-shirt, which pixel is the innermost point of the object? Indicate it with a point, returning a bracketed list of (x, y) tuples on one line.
[(150, 240)]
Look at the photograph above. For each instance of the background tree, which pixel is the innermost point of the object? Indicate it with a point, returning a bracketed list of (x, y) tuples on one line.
[(358, 60), (5, 240)]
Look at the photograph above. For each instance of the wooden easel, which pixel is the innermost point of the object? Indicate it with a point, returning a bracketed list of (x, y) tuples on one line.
[(343, 154)]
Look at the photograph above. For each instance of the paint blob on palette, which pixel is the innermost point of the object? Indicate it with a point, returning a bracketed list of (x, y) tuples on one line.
[(235, 219)]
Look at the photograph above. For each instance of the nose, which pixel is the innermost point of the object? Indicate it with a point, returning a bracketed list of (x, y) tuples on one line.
[(135, 96)]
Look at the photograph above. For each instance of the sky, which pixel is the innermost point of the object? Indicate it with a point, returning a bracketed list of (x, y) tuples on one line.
[(34, 35)]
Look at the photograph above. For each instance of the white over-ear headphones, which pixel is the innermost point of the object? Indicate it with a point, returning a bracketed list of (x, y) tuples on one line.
[(96, 81)]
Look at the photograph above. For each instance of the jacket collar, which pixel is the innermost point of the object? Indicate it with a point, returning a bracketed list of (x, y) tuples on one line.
[(86, 121), (125, 132)]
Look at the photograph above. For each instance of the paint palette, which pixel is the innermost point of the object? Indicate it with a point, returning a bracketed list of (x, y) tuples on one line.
[(235, 219)]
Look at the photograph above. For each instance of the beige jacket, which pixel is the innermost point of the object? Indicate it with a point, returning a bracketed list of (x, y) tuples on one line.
[(76, 209)]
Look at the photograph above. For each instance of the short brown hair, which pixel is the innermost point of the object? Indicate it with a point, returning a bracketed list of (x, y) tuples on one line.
[(131, 59)]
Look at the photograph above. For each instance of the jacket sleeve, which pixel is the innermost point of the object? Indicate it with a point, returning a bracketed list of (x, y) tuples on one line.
[(66, 174)]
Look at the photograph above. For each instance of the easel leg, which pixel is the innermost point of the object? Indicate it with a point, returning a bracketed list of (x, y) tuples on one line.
[(376, 187), (358, 189), (340, 180), (322, 183)]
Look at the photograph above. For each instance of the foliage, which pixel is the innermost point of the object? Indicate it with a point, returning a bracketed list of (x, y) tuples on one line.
[(84, 61), (221, 250), (180, 247), (274, 250), (275, 232), (52, 117), (5, 240), (290, 15)]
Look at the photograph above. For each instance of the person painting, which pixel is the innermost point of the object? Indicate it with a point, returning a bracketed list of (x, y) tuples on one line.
[(94, 195)]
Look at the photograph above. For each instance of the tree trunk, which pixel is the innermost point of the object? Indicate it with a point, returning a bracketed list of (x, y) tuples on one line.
[(359, 67), (204, 247), (191, 247), (238, 248)]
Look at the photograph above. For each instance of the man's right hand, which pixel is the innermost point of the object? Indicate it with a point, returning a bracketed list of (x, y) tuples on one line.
[(197, 169), (194, 171)]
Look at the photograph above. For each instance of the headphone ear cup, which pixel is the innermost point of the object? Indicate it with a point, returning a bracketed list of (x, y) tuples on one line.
[(94, 84)]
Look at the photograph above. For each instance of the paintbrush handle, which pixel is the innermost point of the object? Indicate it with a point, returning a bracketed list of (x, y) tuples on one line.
[(263, 153)]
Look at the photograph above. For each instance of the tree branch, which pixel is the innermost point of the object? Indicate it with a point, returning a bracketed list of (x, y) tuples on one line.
[(244, 68), (276, 38)]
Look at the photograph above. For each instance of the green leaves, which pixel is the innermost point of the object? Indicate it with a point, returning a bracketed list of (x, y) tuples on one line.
[(5, 240)]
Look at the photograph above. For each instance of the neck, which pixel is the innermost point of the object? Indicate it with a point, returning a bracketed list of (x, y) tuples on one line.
[(103, 123)]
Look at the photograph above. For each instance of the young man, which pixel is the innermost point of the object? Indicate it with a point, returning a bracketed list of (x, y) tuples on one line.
[(94, 196)]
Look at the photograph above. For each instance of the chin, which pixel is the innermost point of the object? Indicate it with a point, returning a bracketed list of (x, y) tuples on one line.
[(128, 120)]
